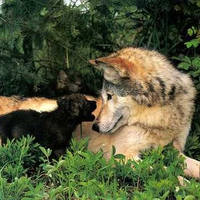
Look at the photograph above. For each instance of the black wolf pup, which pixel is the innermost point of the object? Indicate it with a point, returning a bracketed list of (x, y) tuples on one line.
[(50, 129)]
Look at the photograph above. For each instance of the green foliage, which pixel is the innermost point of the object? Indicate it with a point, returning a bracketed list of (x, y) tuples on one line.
[(191, 65), (81, 174), (14, 155), (153, 24), (37, 38)]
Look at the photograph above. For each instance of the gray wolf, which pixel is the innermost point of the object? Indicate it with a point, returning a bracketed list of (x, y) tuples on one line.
[(146, 102), (143, 90), (51, 129)]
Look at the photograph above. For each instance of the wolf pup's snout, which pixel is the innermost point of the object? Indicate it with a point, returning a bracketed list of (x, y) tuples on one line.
[(93, 105), (87, 112)]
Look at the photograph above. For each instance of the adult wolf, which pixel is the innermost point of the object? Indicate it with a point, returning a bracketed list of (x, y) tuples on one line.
[(146, 102)]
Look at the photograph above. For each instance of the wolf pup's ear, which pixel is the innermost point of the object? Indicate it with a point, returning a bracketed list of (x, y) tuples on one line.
[(114, 68), (62, 79)]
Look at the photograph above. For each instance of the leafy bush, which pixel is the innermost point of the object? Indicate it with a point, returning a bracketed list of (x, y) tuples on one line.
[(190, 63), (81, 174)]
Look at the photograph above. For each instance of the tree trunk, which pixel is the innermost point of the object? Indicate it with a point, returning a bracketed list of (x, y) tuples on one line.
[(28, 52)]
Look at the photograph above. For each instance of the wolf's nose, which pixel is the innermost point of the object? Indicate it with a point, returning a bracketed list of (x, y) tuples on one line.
[(95, 127)]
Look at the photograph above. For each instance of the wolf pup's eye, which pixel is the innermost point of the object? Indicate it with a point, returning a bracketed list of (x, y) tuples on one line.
[(109, 96)]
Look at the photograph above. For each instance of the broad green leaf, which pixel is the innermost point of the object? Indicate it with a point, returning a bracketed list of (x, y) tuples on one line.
[(190, 197)]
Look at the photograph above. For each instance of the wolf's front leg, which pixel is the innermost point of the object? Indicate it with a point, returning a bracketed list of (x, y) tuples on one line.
[(192, 167)]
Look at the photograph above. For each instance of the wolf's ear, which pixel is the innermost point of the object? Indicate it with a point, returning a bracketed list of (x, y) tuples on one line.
[(114, 68)]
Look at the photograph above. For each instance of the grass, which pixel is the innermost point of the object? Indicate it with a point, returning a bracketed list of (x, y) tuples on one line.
[(26, 173)]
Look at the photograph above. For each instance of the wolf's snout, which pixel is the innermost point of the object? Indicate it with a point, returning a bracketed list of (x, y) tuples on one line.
[(95, 127)]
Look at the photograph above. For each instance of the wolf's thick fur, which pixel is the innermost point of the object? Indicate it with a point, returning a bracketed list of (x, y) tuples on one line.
[(144, 91), (51, 129), (146, 103)]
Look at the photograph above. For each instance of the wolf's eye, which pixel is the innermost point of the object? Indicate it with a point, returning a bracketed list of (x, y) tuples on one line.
[(109, 96)]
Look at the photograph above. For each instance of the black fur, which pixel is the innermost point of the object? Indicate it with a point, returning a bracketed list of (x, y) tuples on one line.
[(50, 129), (162, 86), (172, 92)]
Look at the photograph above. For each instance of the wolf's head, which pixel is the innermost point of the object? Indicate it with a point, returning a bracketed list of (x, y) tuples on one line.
[(136, 82), (116, 92)]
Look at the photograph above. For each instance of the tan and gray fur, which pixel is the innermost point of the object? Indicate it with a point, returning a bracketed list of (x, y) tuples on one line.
[(143, 90), (147, 102)]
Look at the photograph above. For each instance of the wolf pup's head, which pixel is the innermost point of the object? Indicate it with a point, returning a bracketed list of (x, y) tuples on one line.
[(66, 85), (78, 107)]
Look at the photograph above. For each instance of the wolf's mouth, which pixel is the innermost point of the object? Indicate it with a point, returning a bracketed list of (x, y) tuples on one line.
[(115, 124), (106, 129)]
